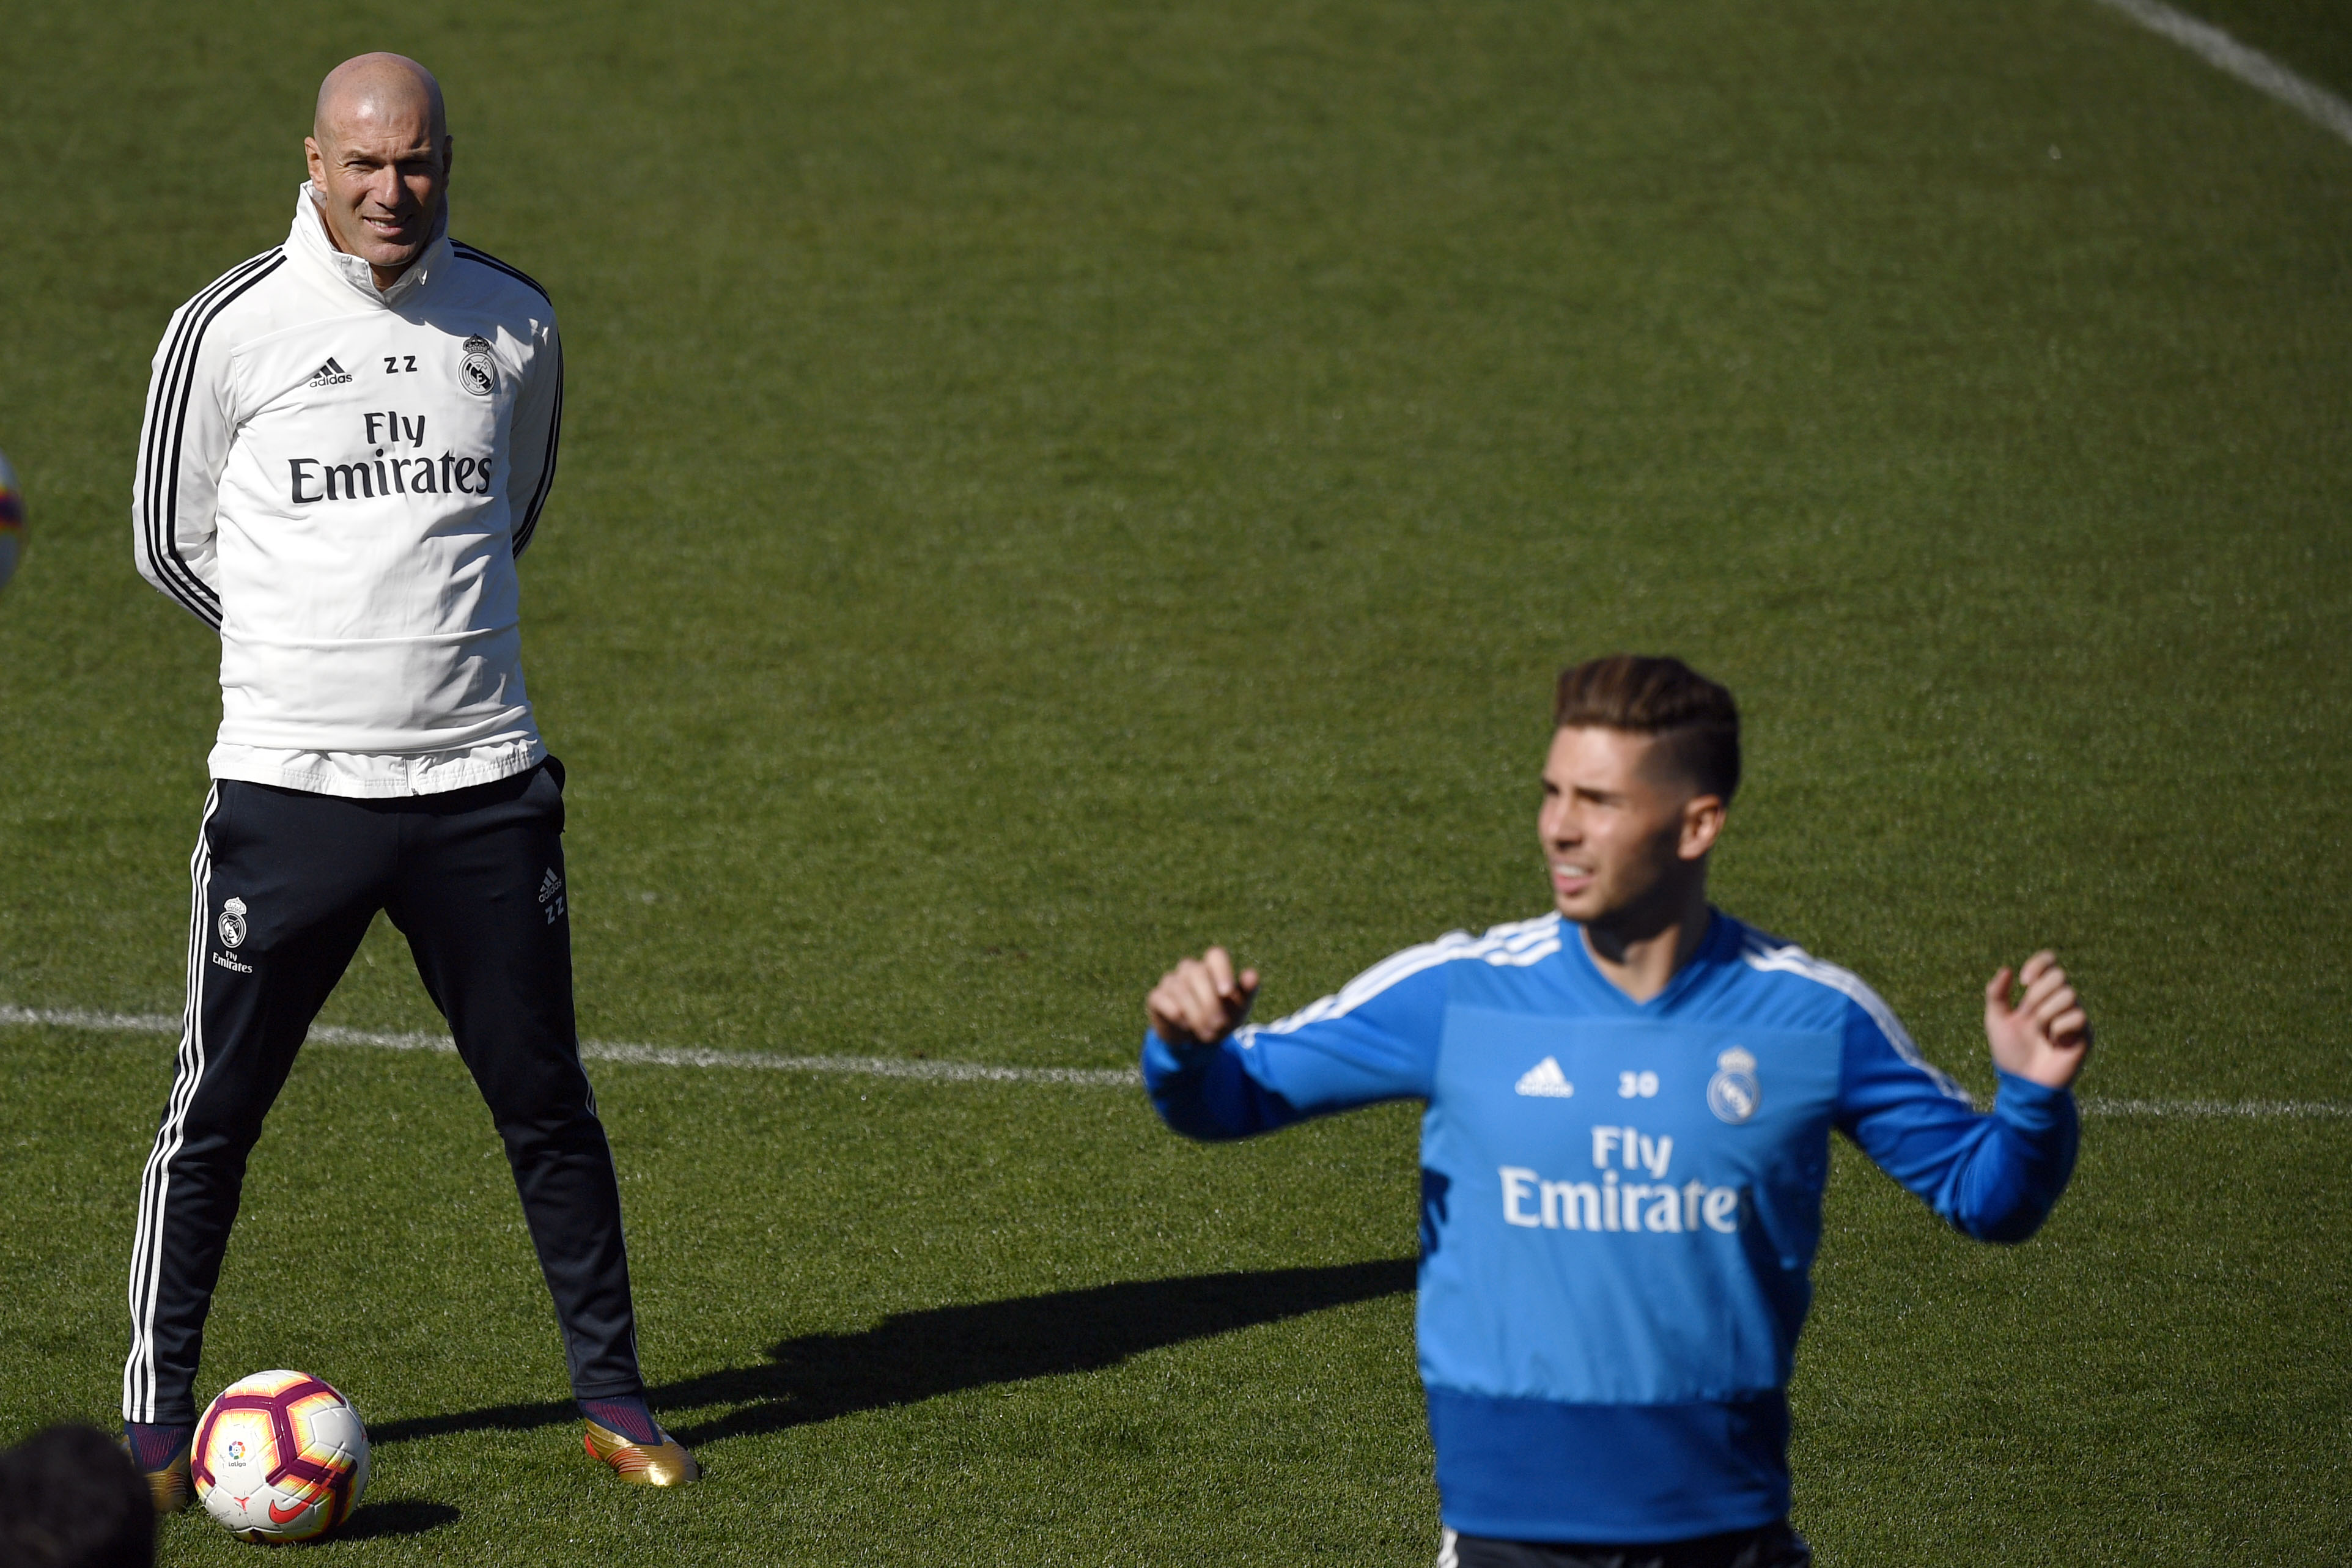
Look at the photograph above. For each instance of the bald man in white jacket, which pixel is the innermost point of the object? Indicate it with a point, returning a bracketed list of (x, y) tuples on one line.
[(348, 442)]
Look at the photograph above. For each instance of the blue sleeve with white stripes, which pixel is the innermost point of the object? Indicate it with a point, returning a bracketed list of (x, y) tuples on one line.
[(1995, 1177), (1371, 1042)]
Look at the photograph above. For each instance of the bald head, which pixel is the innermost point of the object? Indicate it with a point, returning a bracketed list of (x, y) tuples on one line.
[(379, 153), (369, 88)]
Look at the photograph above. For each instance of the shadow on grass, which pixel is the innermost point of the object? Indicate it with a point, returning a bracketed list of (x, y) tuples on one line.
[(404, 1517), (912, 1356)]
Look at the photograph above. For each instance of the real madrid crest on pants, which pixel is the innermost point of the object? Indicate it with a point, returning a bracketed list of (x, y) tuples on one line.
[(1733, 1093), (477, 374), (232, 924)]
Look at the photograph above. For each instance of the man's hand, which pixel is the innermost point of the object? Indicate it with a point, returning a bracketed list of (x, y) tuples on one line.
[(2046, 1035), (1200, 1000)]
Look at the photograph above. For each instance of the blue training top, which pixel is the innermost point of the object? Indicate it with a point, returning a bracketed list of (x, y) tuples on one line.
[(1621, 1201)]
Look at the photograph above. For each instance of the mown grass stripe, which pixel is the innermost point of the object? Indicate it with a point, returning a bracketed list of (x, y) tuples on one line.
[(925, 1070)]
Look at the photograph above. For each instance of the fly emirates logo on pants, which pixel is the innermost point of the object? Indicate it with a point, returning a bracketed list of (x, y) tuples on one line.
[(391, 471), (1612, 1203)]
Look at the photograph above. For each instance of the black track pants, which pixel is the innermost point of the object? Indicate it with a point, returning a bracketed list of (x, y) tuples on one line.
[(285, 884)]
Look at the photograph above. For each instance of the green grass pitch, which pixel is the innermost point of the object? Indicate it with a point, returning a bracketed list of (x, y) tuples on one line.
[(1050, 485)]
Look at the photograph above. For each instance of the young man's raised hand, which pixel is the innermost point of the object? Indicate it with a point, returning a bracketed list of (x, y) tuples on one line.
[(1200, 1000), (2047, 1034)]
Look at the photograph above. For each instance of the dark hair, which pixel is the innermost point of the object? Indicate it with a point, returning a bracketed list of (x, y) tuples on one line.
[(69, 1498), (1693, 716)]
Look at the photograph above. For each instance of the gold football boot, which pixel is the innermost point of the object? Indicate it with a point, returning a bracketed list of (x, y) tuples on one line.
[(665, 1464), (168, 1488)]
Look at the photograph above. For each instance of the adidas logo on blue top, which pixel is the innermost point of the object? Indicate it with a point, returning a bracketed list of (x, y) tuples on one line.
[(1546, 1080)]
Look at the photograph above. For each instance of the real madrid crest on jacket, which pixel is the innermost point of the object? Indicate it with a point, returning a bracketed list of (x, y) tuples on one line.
[(1621, 1201), (478, 373), (339, 478)]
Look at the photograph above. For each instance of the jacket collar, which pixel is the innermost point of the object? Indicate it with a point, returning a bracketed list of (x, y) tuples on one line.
[(308, 243)]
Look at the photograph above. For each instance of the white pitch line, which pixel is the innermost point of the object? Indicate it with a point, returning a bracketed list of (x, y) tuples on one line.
[(924, 1070), (921, 1071), (2253, 68)]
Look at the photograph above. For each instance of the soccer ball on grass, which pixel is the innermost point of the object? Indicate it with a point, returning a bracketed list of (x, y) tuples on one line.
[(280, 1457)]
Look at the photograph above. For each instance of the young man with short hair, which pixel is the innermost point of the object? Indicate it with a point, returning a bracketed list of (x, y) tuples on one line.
[(1628, 1108)]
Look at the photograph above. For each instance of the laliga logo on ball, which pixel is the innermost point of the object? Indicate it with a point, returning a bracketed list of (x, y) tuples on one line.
[(11, 521), (280, 1457)]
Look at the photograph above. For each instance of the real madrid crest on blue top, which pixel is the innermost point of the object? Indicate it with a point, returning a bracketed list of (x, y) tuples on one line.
[(477, 374), (1733, 1092), (232, 923)]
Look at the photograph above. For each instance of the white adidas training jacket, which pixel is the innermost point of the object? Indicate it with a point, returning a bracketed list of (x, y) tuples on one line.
[(339, 480)]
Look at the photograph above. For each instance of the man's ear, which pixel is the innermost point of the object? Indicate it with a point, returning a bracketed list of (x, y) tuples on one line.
[(1702, 825), (315, 159)]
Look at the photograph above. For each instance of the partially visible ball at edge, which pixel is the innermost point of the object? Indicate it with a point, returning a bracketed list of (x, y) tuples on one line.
[(11, 521)]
